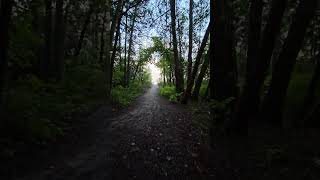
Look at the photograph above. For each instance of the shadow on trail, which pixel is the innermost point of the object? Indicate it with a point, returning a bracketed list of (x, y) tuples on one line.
[(152, 139)]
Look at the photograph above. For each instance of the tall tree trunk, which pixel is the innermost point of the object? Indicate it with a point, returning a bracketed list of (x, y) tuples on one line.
[(5, 16), (115, 45), (125, 54), (107, 61), (194, 73), (246, 110), (177, 62), (224, 78), (102, 39), (83, 31), (59, 40), (201, 75), (133, 21), (48, 59), (266, 47), (281, 75), (222, 64), (189, 68)]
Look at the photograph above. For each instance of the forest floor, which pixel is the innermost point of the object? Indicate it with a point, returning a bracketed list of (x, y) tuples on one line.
[(151, 139)]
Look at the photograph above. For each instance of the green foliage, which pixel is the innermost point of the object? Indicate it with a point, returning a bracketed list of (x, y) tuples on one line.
[(203, 88), (169, 92), (39, 110), (123, 96), (221, 109)]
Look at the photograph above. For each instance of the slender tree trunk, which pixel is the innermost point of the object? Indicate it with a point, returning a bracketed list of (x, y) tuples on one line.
[(281, 75), (115, 45), (125, 54), (194, 73), (245, 106), (83, 31), (130, 47), (48, 59), (5, 16), (199, 80), (189, 68), (102, 39), (59, 40), (107, 61), (177, 62)]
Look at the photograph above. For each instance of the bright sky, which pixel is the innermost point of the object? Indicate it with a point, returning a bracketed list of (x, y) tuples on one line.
[(155, 73)]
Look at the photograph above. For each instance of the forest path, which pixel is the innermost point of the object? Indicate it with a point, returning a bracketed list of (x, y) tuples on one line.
[(152, 139)]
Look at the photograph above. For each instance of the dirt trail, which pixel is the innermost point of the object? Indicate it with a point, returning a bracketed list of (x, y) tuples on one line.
[(152, 139)]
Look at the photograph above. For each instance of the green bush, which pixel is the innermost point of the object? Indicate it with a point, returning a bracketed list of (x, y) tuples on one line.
[(169, 92), (123, 96)]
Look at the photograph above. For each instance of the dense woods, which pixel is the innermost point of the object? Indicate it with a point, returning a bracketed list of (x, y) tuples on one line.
[(252, 64)]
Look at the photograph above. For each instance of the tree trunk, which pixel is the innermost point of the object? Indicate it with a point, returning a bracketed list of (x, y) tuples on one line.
[(59, 41), (102, 40), (189, 68), (133, 21), (245, 106), (115, 45), (177, 62), (5, 16), (125, 54), (266, 47), (190, 84), (224, 65), (107, 61), (83, 31), (281, 75), (199, 80), (48, 59)]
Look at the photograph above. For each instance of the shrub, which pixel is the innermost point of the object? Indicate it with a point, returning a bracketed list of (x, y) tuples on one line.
[(170, 93)]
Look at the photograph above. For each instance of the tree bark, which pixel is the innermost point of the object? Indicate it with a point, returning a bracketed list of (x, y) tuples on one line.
[(224, 65), (107, 61), (177, 62), (199, 80), (194, 73), (246, 102), (281, 75), (189, 68), (266, 47)]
